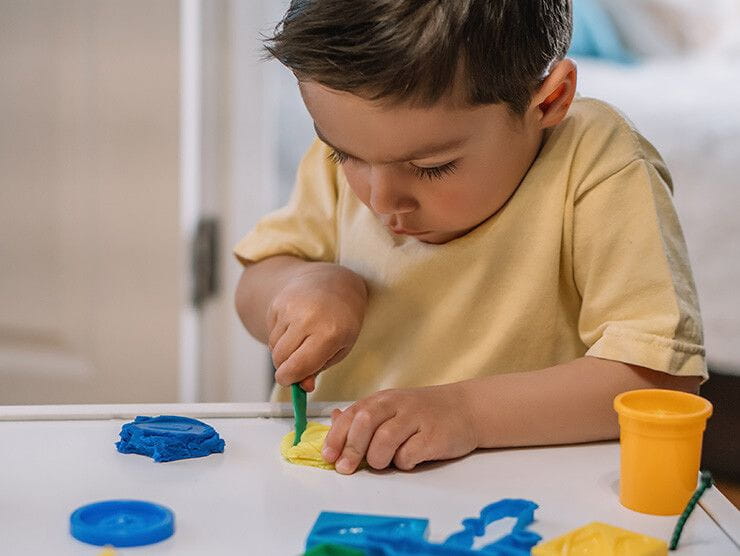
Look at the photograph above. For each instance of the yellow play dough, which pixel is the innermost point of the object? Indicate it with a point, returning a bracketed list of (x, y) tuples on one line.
[(601, 539), (308, 450)]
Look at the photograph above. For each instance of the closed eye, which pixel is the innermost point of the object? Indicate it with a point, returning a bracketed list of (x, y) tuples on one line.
[(421, 172), (338, 157), (435, 172)]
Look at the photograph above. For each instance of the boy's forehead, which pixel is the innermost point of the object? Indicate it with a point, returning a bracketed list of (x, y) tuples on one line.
[(375, 131)]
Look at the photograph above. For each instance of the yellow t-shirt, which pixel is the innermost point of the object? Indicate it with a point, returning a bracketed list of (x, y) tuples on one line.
[(586, 258)]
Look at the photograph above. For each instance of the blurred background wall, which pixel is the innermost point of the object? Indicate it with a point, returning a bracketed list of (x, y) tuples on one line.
[(125, 127), (126, 130), (89, 135), (673, 67)]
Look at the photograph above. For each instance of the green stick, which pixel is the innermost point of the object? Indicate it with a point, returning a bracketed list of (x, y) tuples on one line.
[(299, 410), (706, 482)]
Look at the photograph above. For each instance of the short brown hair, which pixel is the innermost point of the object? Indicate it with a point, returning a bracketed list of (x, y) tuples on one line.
[(409, 50)]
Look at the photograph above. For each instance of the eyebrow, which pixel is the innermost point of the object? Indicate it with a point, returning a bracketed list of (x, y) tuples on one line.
[(423, 152)]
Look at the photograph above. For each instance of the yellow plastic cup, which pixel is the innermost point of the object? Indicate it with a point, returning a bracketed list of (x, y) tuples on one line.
[(660, 435)]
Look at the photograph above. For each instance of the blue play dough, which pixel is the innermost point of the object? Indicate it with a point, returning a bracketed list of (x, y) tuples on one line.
[(169, 438)]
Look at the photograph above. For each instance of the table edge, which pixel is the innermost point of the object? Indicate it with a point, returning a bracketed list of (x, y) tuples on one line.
[(129, 411), (727, 517)]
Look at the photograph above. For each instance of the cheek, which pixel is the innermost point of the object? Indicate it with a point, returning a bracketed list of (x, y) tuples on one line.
[(475, 196), (458, 203), (454, 208), (357, 182)]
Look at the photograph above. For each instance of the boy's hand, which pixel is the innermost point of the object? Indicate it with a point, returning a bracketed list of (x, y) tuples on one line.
[(313, 322), (405, 427)]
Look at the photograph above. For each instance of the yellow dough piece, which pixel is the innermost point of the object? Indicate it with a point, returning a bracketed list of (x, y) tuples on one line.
[(600, 539), (308, 450)]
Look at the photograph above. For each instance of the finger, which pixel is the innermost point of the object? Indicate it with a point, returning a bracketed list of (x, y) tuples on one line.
[(309, 384), (337, 435), (272, 317), (336, 358), (412, 453), (336, 412), (305, 361), (276, 332), (364, 424), (287, 345), (386, 441)]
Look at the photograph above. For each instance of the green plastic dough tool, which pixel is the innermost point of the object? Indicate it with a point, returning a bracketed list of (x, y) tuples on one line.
[(299, 410)]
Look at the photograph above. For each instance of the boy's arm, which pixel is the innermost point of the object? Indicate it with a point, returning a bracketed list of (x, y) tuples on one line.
[(259, 284), (567, 403), (308, 313), (570, 402)]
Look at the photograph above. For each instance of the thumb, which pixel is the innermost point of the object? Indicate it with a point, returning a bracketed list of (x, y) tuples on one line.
[(309, 383), (412, 452)]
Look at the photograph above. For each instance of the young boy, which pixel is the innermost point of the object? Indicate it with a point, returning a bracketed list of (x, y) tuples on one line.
[(476, 255)]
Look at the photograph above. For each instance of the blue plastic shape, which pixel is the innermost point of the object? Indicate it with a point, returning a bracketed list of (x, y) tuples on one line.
[(169, 438), (519, 541), (402, 536), (357, 530), (122, 523)]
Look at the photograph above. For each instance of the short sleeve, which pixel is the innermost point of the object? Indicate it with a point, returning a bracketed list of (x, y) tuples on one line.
[(307, 226), (639, 302)]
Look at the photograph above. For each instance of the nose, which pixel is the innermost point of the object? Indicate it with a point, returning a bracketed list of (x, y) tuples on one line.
[(387, 195)]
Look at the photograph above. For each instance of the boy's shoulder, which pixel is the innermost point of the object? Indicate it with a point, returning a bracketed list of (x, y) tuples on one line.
[(598, 141), (593, 119)]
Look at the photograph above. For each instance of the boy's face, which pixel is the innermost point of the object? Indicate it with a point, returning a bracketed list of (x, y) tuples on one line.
[(434, 173)]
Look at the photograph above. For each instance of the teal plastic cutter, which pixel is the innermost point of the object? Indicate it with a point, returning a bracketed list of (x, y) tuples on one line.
[(298, 395)]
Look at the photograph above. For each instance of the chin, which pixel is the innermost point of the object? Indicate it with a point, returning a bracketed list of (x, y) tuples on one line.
[(439, 238)]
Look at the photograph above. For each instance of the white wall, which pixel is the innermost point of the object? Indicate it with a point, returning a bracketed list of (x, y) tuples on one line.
[(89, 234)]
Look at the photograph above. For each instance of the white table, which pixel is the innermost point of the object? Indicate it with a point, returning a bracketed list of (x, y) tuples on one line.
[(249, 501)]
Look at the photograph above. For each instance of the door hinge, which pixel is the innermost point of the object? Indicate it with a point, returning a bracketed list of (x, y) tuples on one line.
[(205, 260)]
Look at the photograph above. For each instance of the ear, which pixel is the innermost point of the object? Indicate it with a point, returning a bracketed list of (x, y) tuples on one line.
[(554, 96)]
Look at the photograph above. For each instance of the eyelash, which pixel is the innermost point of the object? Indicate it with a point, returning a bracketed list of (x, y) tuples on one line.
[(434, 173), (337, 157)]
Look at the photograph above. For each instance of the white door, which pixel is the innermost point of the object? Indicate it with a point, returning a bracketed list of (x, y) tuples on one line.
[(122, 126), (90, 246), (239, 120)]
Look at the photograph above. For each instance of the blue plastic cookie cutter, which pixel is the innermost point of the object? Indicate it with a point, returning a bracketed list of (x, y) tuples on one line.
[(169, 438), (401, 536), (122, 523), (519, 541), (357, 529)]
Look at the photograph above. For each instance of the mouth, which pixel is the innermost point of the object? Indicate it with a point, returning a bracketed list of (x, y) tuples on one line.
[(405, 232)]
